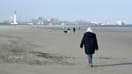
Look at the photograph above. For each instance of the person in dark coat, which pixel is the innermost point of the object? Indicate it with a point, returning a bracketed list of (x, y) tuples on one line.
[(89, 41), (74, 29)]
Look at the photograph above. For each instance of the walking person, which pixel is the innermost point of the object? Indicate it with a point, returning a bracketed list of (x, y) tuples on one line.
[(74, 29), (89, 42)]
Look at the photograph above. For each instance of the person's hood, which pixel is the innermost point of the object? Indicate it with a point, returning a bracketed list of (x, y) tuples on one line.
[(89, 30)]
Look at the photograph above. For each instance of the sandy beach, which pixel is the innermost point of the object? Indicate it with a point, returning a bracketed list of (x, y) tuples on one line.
[(39, 50)]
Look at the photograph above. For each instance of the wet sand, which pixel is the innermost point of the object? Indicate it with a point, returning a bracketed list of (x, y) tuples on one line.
[(37, 50)]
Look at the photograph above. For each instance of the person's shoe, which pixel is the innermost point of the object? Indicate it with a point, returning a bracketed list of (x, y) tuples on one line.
[(91, 65)]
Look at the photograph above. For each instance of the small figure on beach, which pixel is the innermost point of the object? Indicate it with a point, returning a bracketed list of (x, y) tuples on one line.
[(66, 30), (89, 41), (74, 29)]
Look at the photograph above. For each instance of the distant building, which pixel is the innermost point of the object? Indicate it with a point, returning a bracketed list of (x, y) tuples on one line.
[(121, 23), (14, 18)]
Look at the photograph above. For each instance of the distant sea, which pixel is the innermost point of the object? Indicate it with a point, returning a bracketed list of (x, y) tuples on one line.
[(103, 27), (114, 27)]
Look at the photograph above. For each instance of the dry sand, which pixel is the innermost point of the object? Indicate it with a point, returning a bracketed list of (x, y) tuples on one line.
[(35, 50)]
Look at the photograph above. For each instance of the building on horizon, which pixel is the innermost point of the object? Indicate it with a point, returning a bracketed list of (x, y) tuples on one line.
[(13, 19)]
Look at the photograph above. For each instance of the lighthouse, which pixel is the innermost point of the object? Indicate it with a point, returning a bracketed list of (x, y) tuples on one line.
[(14, 18)]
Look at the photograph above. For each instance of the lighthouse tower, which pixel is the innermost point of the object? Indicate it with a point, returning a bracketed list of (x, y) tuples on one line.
[(14, 19)]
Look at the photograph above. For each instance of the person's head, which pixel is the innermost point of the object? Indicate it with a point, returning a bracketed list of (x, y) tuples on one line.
[(89, 29)]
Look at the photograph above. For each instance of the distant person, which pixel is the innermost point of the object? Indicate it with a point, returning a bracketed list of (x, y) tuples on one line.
[(74, 29), (89, 41), (68, 30), (65, 30)]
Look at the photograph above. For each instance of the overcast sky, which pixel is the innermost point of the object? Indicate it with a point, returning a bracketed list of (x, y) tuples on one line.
[(96, 10)]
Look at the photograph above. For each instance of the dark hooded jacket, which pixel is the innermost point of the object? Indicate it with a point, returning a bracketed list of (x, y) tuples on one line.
[(89, 41)]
